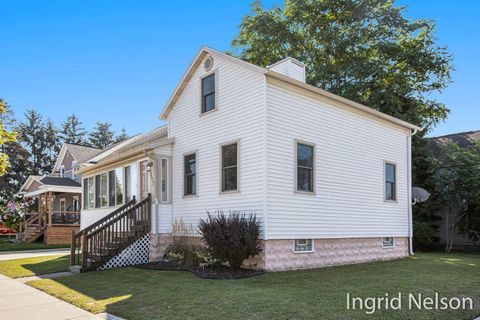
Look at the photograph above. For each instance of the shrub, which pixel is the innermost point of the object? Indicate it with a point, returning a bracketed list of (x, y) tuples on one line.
[(231, 238), (423, 234)]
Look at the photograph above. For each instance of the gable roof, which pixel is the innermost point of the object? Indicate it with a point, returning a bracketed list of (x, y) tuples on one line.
[(49, 183), (464, 140), (59, 181), (269, 73), (79, 153)]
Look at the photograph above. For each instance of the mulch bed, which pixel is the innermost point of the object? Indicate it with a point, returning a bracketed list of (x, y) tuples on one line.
[(217, 272)]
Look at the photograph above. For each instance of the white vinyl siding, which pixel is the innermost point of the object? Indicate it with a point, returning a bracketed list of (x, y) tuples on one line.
[(349, 170), (239, 116)]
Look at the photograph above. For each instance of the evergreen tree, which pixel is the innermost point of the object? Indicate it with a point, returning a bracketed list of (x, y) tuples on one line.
[(101, 136), (52, 146), (72, 131), (122, 136), (32, 137)]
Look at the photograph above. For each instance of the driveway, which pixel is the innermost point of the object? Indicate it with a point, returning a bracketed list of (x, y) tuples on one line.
[(21, 302), (11, 255)]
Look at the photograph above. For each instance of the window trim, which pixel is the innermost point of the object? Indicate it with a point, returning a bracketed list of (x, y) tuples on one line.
[(314, 169), (207, 74), (62, 171), (74, 164), (388, 246), (64, 200), (195, 152), (168, 180), (309, 251), (238, 142), (395, 198)]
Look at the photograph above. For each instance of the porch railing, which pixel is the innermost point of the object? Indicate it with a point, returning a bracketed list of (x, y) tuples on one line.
[(97, 244)]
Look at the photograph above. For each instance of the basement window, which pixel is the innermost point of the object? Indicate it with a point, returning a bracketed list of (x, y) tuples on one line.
[(303, 245), (388, 242)]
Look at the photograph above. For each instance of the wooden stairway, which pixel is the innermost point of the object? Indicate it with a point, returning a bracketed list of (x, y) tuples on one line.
[(32, 228), (100, 242)]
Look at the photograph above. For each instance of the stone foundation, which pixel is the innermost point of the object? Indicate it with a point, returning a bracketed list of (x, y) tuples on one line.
[(278, 255), (158, 243)]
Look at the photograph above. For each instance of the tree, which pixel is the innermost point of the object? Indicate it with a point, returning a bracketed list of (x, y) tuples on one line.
[(19, 168), (457, 189), (122, 136), (39, 138), (52, 146), (365, 51), (72, 130), (6, 136), (101, 136)]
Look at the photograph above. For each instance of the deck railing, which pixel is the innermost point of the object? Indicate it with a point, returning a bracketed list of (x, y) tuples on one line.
[(95, 245)]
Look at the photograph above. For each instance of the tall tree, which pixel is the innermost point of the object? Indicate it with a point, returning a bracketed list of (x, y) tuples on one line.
[(32, 137), (6, 136), (457, 182), (101, 136), (52, 146), (72, 130), (39, 138), (121, 136), (366, 51)]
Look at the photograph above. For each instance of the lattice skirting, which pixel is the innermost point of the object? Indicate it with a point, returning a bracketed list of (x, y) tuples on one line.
[(136, 253)]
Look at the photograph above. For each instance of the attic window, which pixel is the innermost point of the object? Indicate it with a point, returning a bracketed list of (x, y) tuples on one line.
[(208, 93), (62, 171)]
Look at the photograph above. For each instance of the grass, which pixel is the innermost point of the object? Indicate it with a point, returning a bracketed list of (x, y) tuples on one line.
[(311, 294), (6, 245), (34, 266)]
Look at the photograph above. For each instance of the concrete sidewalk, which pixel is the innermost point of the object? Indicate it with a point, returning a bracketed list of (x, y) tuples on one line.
[(11, 255), (21, 302)]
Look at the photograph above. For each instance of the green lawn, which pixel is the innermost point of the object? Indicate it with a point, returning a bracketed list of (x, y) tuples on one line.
[(6, 245), (312, 294), (34, 266)]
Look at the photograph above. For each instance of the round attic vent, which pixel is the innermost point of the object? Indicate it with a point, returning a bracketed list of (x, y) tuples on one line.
[(208, 64)]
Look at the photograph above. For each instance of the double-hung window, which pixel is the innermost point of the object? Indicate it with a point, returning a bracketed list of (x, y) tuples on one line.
[(208, 93), (115, 187), (230, 167), (390, 182), (190, 175), (305, 166)]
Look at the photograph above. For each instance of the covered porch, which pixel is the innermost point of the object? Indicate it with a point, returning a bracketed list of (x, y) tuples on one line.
[(57, 215)]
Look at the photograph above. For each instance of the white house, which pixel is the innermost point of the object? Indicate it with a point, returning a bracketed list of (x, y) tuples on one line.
[(329, 178)]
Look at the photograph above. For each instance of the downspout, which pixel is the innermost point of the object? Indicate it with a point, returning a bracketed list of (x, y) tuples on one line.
[(409, 191)]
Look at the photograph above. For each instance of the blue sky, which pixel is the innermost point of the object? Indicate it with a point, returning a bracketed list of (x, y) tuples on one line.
[(119, 61)]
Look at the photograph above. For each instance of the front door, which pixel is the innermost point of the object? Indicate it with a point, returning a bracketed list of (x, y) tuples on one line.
[(144, 179)]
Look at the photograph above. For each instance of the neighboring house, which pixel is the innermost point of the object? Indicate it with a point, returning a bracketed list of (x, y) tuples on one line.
[(461, 242), (58, 198), (330, 179)]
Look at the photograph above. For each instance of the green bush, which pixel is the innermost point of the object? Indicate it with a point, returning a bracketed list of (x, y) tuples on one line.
[(231, 238), (423, 234)]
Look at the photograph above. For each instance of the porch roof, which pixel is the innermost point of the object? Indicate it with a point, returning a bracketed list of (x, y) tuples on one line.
[(46, 184)]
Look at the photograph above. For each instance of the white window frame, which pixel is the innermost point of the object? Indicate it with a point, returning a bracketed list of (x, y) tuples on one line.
[(74, 164), (307, 251), (215, 73), (314, 169), (385, 163), (167, 179), (64, 201), (62, 171), (387, 244)]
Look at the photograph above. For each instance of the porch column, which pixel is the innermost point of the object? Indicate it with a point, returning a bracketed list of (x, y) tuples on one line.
[(49, 208)]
